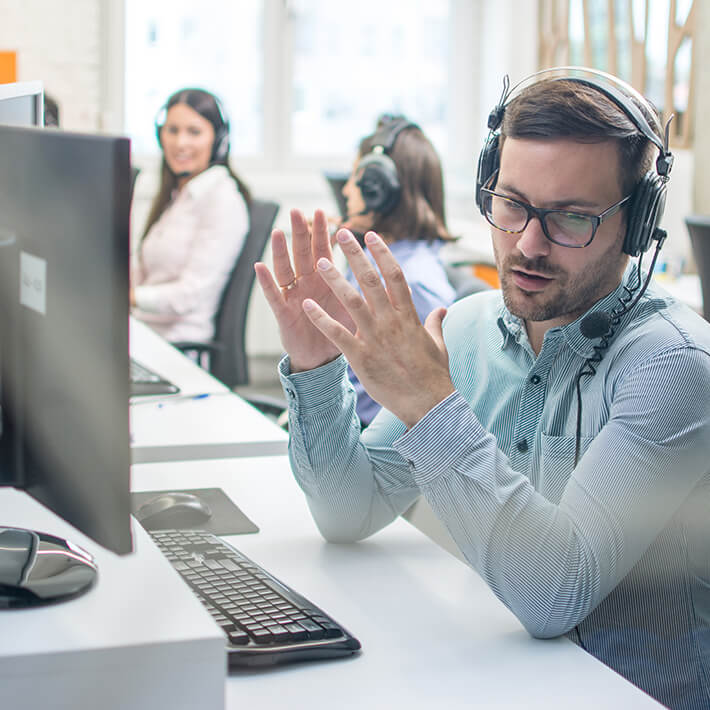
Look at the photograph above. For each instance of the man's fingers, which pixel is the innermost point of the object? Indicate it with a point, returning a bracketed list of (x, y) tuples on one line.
[(347, 295), (398, 290), (434, 326), (338, 334), (301, 244), (272, 291), (363, 270), (321, 245), (282, 262)]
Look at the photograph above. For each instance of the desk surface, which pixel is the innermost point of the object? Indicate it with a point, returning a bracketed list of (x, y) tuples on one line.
[(433, 634), (216, 424)]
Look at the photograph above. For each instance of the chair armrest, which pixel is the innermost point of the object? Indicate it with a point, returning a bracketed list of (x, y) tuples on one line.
[(199, 347)]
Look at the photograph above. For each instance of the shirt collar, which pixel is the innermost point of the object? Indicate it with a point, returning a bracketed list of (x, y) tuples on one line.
[(513, 327), (205, 181)]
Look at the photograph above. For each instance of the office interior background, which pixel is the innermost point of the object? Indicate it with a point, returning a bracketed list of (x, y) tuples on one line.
[(303, 80)]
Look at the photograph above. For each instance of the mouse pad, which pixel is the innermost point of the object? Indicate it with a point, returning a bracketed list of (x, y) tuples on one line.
[(226, 519)]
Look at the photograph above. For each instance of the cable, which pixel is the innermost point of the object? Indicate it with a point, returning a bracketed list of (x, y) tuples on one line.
[(602, 324)]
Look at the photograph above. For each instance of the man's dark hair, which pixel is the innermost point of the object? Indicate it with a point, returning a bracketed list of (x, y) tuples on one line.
[(564, 108)]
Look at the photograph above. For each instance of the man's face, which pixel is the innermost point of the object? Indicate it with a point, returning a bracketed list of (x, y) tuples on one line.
[(542, 281)]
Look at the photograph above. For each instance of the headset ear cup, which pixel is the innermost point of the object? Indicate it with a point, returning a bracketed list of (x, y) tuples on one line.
[(159, 122), (220, 151), (488, 161), (379, 183), (644, 214)]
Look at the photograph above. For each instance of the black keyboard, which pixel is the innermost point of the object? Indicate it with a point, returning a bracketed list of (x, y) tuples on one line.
[(264, 621), (145, 381)]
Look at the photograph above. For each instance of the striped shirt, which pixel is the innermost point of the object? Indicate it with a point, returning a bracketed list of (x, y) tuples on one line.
[(614, 553)]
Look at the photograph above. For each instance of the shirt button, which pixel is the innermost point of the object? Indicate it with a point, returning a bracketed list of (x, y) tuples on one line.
[(291, 394), (535, 379), (522, 446)]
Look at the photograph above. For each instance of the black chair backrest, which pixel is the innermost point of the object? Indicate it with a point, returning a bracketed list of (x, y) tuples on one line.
[(336, 181), (131, 189), (229, 362), (699, 229)]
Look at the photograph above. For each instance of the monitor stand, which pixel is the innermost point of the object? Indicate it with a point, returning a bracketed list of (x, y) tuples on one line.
[(38, 569)]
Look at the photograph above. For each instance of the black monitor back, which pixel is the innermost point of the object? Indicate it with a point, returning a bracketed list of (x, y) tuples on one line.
[(64, 251)]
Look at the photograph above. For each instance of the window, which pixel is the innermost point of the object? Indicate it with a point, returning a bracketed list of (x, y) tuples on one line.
[(303, 80), (214, 44), (646, 42)]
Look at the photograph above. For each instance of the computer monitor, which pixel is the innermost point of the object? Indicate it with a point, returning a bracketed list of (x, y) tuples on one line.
[(64, 254), (22, 104)]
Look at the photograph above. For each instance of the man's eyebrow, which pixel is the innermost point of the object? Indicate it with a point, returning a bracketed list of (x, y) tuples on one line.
[(554, 204)]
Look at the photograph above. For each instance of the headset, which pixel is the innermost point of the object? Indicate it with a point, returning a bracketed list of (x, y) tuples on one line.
[(220, 146), (649, 197), (378, 181), (645, 207)]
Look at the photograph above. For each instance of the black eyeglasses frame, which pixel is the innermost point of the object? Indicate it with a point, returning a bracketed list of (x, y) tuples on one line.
[(541, 215)]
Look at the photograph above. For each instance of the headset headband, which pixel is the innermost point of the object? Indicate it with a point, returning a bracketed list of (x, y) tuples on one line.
[(388, 134), (606, 84)]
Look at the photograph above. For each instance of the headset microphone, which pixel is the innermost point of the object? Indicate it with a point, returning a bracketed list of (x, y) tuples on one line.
[(595, 324)]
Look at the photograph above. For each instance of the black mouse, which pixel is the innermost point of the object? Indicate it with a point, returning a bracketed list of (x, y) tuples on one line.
[(173, 510)]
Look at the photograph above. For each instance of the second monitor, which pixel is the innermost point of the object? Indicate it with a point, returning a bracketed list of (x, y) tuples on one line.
[(64, 252)]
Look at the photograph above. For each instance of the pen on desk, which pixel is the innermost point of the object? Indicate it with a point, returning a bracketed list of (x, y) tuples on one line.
[(180, 399), (171, 399)]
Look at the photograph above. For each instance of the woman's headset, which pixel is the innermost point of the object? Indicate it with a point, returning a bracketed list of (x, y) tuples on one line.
[(220, 147), (649, 197), (378, 181)]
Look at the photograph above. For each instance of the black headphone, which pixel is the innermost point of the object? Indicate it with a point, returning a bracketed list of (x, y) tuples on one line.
[(220, 146), (379, 182), (649, 197)]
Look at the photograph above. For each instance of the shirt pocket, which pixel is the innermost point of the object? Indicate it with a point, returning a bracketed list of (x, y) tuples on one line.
[(557, 463)]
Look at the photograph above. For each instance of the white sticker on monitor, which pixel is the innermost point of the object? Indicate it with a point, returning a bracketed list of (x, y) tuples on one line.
[(33, 282)]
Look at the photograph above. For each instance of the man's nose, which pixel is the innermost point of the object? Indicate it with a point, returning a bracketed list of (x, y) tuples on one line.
[(532, 241)]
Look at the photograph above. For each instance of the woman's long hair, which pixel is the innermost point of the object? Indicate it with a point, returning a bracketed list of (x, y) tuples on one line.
[(420, 212), (207, 106)]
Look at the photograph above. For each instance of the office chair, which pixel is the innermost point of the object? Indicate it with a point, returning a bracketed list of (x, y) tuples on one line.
[(131, 189), (225, 356), (699, 229), (336, 181)]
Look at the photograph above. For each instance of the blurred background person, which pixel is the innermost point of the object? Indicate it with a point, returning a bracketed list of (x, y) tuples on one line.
[(196, 225), (396, 188)]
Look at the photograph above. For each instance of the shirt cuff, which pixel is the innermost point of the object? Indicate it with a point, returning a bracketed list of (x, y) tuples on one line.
[(443, 436), (322, 386)]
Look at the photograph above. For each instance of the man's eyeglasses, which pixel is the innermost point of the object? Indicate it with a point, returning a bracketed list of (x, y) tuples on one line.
[(568, 229)]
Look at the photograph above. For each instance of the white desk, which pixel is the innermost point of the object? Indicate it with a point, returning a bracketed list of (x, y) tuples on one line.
[(178, 427), (138, 639), (433, 634)]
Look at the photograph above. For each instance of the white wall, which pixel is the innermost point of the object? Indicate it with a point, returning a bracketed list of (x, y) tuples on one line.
[(58, 43), (75, 48)]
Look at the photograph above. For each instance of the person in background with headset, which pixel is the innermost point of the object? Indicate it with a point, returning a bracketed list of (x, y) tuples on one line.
[(197, 224), (396, 188), (586, 514)]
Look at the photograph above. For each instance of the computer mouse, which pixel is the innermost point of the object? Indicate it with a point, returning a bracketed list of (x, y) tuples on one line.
[(173, 510)]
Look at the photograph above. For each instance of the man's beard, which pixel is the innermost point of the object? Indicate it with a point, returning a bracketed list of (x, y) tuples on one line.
[(568, 298)]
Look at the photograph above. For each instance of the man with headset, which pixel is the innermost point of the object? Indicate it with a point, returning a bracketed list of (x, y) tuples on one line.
[(558, 428)]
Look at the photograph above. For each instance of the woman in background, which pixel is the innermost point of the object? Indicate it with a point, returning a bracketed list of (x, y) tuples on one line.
[(197, 223), (396, 189)]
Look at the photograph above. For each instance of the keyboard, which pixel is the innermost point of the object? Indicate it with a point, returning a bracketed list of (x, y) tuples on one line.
[(145, 381), (264, 621)]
